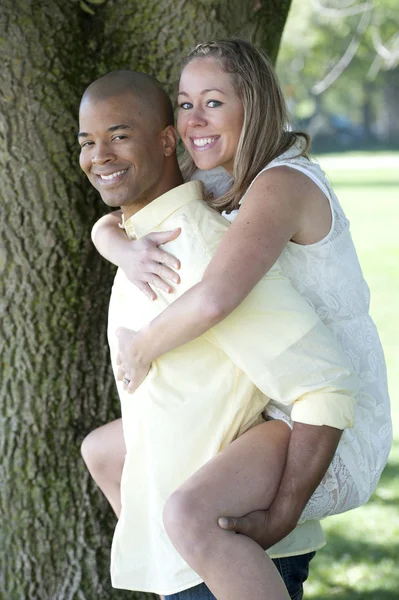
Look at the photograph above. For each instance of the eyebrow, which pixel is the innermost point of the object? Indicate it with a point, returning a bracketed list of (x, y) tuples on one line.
[(204, 92), (83, 134)]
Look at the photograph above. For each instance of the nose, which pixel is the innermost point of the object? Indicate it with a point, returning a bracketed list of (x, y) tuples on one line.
[(102, 154), (197, 117)]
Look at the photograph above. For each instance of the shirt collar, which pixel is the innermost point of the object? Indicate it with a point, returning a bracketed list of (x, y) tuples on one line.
[(149, 217)]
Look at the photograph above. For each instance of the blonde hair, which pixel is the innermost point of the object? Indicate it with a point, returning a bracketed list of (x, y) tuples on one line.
[(265, 134)]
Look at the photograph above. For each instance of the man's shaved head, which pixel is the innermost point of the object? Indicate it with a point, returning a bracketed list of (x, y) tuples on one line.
[(153, 99), (127, 140)]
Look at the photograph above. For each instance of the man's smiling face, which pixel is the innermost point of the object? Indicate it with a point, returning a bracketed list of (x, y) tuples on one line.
[(121, 150)]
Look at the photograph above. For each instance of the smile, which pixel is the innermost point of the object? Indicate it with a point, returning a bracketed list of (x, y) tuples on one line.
[(113, 176), (204, 143)]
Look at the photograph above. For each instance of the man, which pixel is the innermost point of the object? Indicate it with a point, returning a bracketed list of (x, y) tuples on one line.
[(128, 152)]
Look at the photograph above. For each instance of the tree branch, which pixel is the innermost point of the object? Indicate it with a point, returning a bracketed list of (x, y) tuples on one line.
[(347, 11), (347, 57)]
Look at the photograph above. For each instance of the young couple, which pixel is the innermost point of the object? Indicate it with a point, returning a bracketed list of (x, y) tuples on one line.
[(237, 339)]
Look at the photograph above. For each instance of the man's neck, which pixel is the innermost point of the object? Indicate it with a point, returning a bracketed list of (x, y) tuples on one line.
[(167, 184)]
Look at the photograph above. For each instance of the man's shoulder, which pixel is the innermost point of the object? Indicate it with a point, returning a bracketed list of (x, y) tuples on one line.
[(200, 211)]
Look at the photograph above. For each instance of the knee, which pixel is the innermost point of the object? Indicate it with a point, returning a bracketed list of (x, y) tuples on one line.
[(179, 514), (188, 525), (94, 454)]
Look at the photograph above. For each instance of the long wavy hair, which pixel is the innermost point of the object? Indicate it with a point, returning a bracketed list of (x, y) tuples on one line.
[(265, 133)]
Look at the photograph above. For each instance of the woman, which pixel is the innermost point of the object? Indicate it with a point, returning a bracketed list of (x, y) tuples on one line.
[(288, 211)]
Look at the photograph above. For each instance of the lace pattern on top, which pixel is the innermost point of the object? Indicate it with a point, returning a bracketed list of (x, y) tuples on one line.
[(329, 276)]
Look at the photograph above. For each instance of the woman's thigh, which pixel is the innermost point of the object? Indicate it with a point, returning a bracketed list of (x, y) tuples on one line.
[(293, 569), (245, 475)]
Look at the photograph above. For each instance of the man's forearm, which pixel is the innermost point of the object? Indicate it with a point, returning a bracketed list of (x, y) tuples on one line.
[(310, 453)]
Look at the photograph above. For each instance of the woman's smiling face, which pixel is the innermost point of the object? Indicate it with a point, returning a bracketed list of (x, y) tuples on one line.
[(210, 116)]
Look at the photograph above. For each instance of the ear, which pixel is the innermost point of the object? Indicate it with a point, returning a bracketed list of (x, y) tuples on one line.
[(169, 140)]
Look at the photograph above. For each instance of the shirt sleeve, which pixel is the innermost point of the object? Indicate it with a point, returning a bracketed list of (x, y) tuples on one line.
[(274, 336), (277, 339)]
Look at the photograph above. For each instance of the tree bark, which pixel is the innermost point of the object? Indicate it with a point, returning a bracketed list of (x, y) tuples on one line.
[(56, 382)]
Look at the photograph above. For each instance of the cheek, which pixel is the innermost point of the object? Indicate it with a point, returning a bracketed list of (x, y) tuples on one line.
[(83, 162)]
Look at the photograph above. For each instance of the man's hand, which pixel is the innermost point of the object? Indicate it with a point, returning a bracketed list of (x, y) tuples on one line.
[(130, 366), (262, 526), (310, 452)]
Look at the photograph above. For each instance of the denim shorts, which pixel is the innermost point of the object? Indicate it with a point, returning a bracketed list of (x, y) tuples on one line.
[(293, 569)]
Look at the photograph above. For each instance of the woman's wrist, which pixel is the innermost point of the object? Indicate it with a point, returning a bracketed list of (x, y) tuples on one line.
[(143, 349)]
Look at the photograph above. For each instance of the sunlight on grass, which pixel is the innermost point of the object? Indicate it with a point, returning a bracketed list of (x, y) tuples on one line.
[(360, 560)]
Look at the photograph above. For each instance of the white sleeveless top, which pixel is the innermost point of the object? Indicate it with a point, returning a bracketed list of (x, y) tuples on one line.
[(329, 276)]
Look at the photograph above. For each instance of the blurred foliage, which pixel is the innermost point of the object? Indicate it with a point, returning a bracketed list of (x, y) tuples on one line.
[(360, 560), (336, 58)]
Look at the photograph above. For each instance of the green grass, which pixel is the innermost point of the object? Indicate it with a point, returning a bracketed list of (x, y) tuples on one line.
[(360, 561)]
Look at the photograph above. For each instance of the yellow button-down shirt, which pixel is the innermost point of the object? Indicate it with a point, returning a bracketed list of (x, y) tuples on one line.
[(201, 396)]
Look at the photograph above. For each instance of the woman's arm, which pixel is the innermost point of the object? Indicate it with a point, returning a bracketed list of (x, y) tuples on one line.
[(279, 207), (141, 260), (275, 210)]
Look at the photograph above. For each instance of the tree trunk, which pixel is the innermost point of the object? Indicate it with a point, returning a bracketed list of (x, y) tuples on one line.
[(56, 382)]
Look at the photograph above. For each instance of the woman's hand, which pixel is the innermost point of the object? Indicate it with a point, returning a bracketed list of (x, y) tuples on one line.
[(132, 368), (144, 263), (141, 260)]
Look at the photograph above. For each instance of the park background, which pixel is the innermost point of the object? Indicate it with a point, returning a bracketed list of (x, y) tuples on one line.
[(339, 69), (338, 65)]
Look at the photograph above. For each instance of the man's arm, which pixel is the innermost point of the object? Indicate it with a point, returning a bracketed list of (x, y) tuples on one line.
[(310, 452)]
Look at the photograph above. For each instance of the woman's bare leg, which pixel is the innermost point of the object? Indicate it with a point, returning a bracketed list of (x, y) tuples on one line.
[(103, 451), (241, 479)]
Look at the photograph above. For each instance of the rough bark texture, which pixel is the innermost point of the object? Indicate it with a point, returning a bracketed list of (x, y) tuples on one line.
[(55, 379)]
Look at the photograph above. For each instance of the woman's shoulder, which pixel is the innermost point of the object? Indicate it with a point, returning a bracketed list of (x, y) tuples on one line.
[(302, 189), (293, 168), (294, 161)]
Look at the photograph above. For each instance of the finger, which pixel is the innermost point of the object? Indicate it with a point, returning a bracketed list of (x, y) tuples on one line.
[(165, 272), (118, 359), (131, 387), (163, 237), (157, 256), (146, 289), (152, 251), (126, 377), (159, 283), (239, 525), (120, 374)]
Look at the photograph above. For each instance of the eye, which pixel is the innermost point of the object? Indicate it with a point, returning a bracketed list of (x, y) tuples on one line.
[(86, 144), (214, 103), (185, 105), (121, 136)]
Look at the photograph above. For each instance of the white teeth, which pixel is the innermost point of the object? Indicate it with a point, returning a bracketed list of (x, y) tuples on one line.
[(203, 141), (113, 175)]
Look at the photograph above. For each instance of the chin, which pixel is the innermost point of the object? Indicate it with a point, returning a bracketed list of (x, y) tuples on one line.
[(112, 202), (207, 164)]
